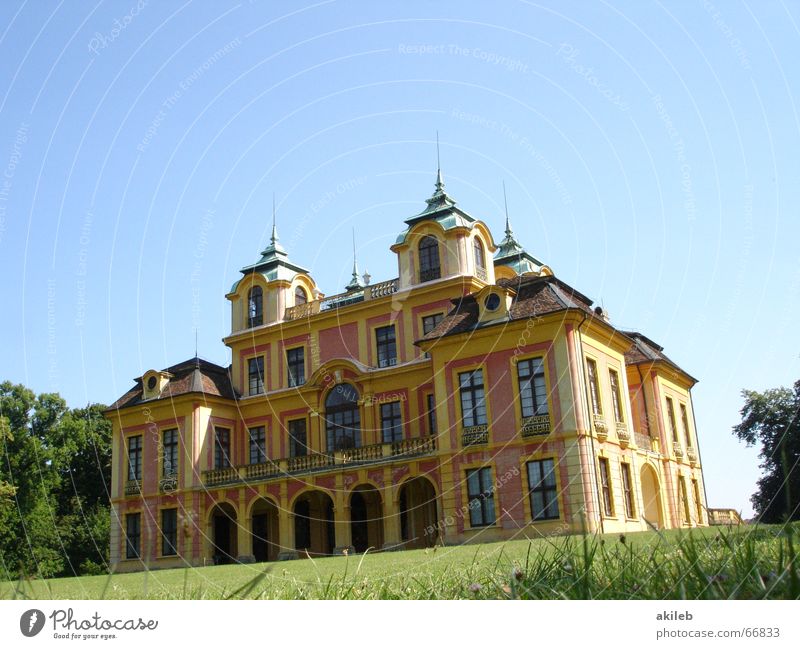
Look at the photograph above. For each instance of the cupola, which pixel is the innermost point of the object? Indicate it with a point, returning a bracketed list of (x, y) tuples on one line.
[(270, 287)]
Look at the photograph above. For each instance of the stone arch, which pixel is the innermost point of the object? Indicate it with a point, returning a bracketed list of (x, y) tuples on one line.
[(314, 531), (263, 519), (417, 503), (652, 508), (222, 528)]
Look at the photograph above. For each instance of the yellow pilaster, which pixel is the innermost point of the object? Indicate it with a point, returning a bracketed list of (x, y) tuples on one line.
[(341, 518), (285, 527), (448, 506), (391, 514), (244, 539)]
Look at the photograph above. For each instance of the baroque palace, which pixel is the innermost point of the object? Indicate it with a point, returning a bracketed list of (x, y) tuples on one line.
[(474, 398)]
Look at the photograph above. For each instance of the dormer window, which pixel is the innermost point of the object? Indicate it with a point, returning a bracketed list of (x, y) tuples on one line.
[(255, 307), (153, 382), (300, 296), (429, 265), (480, 259), (494, 303)]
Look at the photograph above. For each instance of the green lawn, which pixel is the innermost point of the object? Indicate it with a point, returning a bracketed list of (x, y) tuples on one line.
[(749, 562)]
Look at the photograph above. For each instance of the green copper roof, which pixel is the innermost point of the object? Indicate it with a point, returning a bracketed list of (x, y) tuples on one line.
[(510, 253), (274, 263), (442, 209)]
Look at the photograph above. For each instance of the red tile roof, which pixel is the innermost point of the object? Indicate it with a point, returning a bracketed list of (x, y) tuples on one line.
[(193, 376)]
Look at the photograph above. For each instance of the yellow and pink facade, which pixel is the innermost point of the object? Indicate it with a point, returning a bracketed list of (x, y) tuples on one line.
[(476, 397)]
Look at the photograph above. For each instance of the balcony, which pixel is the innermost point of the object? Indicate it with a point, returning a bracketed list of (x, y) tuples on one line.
[(623, 435), (600, 427), (481, 274), (320, 462), (168, 483), (221, 476), (341, 300), (133, 488), (691, 454), (536, 425), (645, 442), (382, 289), (677, 449), (472, 435)]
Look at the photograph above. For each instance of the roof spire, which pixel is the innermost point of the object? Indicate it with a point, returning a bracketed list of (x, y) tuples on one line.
[(355, 281), (509, 231), (439, 180), (274, 237), (510, 252)]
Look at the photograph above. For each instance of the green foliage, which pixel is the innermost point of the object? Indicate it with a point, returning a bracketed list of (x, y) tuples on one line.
[(54, 473), (756, 562), (772, 419)]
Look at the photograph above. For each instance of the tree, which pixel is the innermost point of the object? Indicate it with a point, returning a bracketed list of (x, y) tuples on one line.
[(54, 477), (772, 419)]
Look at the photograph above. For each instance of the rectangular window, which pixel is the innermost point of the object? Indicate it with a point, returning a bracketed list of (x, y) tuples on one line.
[(627, 490), (391, 422), (169, 532), (532, 389), (542, 485), (480, 492), (169, 458), (594, 388), (387, 346), (258, 445), (296, 365), (297, 438), (685, 422), (222, 448), (133, 535), (698, 501), (687, 516), (605, 486), (431, 401), (473, 403), (671, 416), (616, 399), (135, 457), (255, 374)]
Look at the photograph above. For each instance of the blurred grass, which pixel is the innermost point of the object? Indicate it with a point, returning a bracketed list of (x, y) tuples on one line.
[(750, 562)]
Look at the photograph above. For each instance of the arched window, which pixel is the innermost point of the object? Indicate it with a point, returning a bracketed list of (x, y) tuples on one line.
[(255, 307), (300, 296), (480, 259), (342, 418), (429, 267)]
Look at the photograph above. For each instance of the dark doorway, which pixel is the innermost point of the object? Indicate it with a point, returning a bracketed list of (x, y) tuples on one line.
[(314, 531), (223, 525), (366, 519)]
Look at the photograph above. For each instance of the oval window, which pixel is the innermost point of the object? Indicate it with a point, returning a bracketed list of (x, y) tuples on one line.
[(151, 383), (492, 302)]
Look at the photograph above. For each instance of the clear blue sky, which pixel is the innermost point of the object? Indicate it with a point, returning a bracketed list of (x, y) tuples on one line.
[(650, 151)]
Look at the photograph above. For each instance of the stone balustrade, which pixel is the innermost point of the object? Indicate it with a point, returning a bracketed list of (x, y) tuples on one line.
[(273, 469), (536, 425)]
